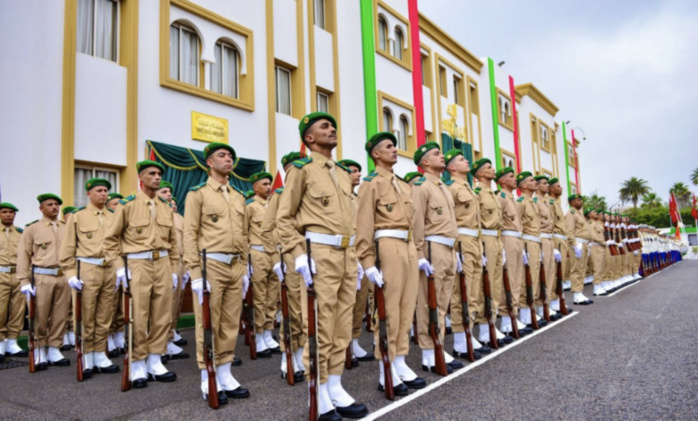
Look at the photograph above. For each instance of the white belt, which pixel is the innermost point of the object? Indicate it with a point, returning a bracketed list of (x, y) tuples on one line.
[(400, 234), (510, 233), (531, 238), (48, 271), (448, 242), (583, 241), (93, 261), (546, 235), (560, 237), (148, 255), (256, 247), (339, 241), (8, 269), (489, 233), (226, 258), (469, 232), (594, 243)]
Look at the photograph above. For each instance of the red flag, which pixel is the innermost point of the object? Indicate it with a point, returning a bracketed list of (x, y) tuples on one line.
[(694, 211), (673, 209), (278, 182), (677, 234)]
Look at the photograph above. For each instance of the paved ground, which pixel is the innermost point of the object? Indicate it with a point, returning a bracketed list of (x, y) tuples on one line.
[(630, 356)]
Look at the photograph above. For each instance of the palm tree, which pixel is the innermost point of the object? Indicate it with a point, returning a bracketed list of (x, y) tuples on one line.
[(633, 189), (595, 201), (651, 200), (694, 177), (682, 194)]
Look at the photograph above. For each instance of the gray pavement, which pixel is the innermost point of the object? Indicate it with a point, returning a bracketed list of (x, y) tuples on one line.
[(629, 356)]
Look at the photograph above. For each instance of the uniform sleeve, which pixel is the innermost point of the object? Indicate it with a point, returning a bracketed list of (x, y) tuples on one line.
[(365, 225), (173, 253), (24, 256), (419, 201), (569, 222), (291, 239), (245, 232), (268, 226), (192, 218), (112, 238), (67, 259)]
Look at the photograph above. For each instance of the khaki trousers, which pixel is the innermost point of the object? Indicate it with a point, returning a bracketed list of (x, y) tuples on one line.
[(360, 307), (151, 292), (298, 319), (513, 247), (443, 259), (117, 323), (177, 295), (53, 306), (12, 307), (598, 255), (534, 267), (225, 303), (493, 252), (472, 268), (335, 291), (549, 266), (578, 269), (563, 248), (266, 291), (97, 297)]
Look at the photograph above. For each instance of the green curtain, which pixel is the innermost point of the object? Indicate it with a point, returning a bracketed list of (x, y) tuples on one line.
[(185, 168), (448, 143)]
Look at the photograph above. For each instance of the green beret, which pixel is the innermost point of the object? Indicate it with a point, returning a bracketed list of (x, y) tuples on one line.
[(452, 154), (290, 157), (502, 172), (249, 193), (522, 176), (260, 176), (166, 185), (479, 164), (587, 211), (377, 138), (419, 153), (573, 197), (599, 211), (69, 209), (115, 195), (553, 181), (541, 177), (348, 162), (8, 205), (174, 199), (46, 196), (214, 146), (140, 166), (311, 118), (411, 175), (94, 182)]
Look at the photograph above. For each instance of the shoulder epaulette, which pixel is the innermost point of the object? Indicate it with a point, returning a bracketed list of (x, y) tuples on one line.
[(520, 199), (78, 209), (197, 187), (343, 167), (250, 200), (299, 163), (110, 210), (535, 200), (572, 211), (420, 181), (477, 190), (279, 190), (370, 176), (504, 195), (449, 182), (164, 201), (127, 199), (552, 201), (19, 230), (238, 190), (32, 222)]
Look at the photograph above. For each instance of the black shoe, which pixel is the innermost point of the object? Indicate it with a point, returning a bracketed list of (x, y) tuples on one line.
[(122, 351), (276, 350), (355, 410), (555, 317), (484, 350), (570, 310), (601, 295), (417, 383), (63, 362), (542, 323), (354, 362), (65, 348), (464, 355), (455, 365), (86, 373), (237, 362), (399, 390), (432, 369), (298, 377), (239, 393), (222, 398), (165, 378), (181, 342), (2, 358), (179, 356), (583, 303), (264, 354), (19, 354), (330, 416), (139, 383), (107, 370), (114, 353), (41, 366), (164, 359), (507, 340), (526, 331), (449, 330), (368, 357)]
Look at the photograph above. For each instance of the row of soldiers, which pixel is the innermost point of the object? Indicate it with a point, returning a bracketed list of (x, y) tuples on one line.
[(429, 231)]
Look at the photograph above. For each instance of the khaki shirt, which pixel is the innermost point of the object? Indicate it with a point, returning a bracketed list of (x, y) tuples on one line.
[(312, 202), (84, 237), (212, 223), (545, 210), (490, 209), (39, 245), (255, 209), (381, 207), (596, 229), (576, 226), (9, 239), (134, 231), (179, 228), (560, 226), (270, 237), (434, 212), (467, 204), (511, 220), (530, 218)]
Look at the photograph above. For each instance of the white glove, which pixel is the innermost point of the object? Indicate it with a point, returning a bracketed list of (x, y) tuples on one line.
[(28, 289), (375, 276), (578, 251), (504, 257), (484, 260), (304, 270), (185, 278), (279, 273), (558, 256), (426, 267), (121, 278), (636, 252), (174, 281), (620, 244), (197, 287), (525, 258), (459, 263), (360, 273), (245, 285), (75, 283)]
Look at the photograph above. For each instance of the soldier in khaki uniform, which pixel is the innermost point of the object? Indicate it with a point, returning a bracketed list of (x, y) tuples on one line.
[(82, 242), (578, 239), (597, 248), (113, 201), (561, 250), (467, 208), (385, 215), (40, 245), (143, 232), (12, 305), (318, 205), (549, 254), (270, 241), (215, 221), (264, 280), (115, 341), (412, 177), (435, 227)]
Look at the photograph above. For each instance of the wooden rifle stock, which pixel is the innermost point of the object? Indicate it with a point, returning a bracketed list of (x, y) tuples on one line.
[(544, 292), (286, 320), (312, 343), (560, 292), (78, 329), (434, 330), (510, 303), (249, 316), (383, 334), (488, 303), (465, 309), (128, 331), (529, 293), (612, 248), (32, 320), (209, 351)]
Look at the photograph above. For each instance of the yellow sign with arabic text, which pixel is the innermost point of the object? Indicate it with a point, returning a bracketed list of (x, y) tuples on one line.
[(208, 128)]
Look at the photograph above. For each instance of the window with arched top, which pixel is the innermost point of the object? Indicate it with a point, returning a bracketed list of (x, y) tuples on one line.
[(387, 120), (184, 54), (382, 34), (399, 43), (225, 71), (404, 131)]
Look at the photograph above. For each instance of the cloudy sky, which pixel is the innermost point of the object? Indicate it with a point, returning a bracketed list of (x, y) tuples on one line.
[(624, 71)]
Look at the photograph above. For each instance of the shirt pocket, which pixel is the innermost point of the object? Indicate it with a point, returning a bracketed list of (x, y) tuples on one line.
[(89, 237), (437, 212), (212, 213), (42, 242), (324, 198), (138, 229), (386, 206)]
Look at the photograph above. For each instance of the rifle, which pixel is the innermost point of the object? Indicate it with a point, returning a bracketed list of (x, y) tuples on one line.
[(209, 350), (32, 320), (128, 331), (434, 330), (621, 250), (287, 326), (529, 293), (607, 236), (369, 318), (465, 310), (544, 292), (78, 329), (510, 303), (488, 303), (249, 316), (559, 290), (313, 349), (383, 334), (415, 336)]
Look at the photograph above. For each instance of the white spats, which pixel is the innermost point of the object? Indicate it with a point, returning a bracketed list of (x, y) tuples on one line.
[(505, 325), (356, 349), (54, 354), (259, 341), (338, 395), (101, 360), (225, 377), (324, 403), (402, 369), (269, 340), (138, 370), (525, 316), (88, 360), (155, 365)]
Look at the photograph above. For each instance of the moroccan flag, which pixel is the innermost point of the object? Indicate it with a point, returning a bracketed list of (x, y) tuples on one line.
[(278, 182), (673, 209), (694, 211)]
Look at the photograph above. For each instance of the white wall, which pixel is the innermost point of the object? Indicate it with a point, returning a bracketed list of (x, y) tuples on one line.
[(285, 31)]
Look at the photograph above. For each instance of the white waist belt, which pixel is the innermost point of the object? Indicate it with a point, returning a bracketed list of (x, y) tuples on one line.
[(8, 269), (226, 258), (489, 233), (510, 233), (583, 241), (531, 238), (48, 271), (256, 247), (546, 235), (400, 234), (560, 237), (93, 261), (448, 242), (148, 255), (339, 241), (469, 232)]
